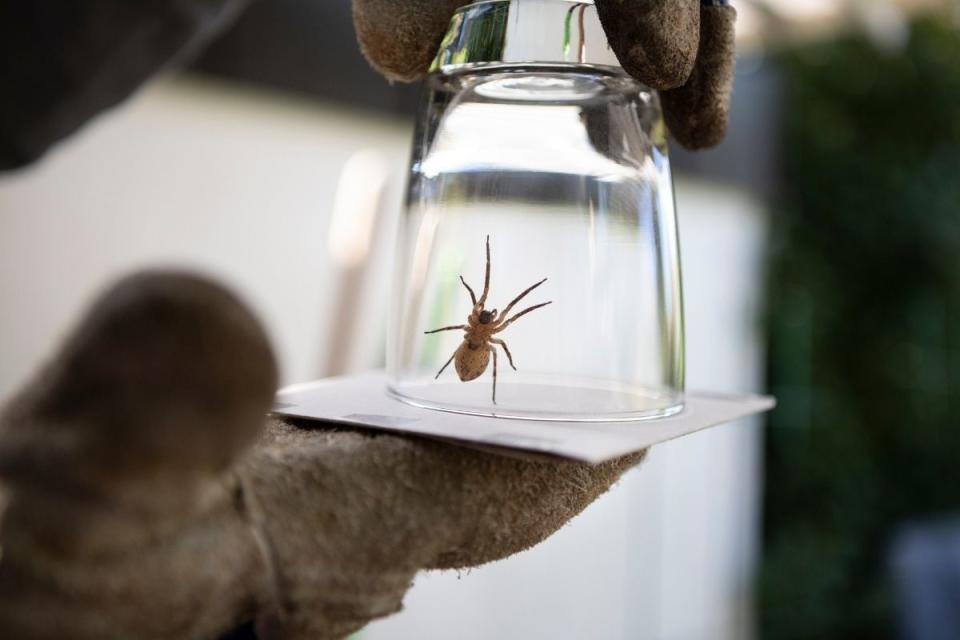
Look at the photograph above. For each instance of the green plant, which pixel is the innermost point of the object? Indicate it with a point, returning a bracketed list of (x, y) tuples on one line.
[(864, 327)]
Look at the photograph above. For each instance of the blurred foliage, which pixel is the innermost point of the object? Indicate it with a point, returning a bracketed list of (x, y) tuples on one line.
[(864, 323)]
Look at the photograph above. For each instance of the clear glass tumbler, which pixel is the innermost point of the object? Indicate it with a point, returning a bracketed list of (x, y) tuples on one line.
[(534, 142)]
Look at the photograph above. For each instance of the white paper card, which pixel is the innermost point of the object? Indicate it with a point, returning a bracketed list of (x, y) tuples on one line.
[(362, 400)]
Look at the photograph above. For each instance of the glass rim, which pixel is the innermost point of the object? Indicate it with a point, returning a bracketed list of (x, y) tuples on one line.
[(470, 5), (525, 31)]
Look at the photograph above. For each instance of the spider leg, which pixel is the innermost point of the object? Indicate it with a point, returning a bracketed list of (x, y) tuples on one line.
[(445, 366), (522, 313), (520, 297), (486, 277), (473, 297), (505, 350), (494, 352), (451, 328)]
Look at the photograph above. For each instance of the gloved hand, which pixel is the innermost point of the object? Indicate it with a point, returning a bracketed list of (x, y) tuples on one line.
[(148, 496), (683, 48)]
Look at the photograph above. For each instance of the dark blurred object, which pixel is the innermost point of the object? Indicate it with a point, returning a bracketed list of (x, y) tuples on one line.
[(305, 47), (864, 323), (63, 61), (245, 631), (925, 563)]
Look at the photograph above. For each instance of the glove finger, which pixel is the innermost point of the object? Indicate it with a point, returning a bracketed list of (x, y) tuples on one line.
[(168, 373), (400, 38), (654, 40), (697, 112)]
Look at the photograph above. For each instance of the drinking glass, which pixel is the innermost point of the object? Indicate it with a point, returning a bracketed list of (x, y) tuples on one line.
[(532, 138)]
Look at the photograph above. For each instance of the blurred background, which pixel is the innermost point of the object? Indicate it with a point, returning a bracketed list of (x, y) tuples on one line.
[(821, 256)]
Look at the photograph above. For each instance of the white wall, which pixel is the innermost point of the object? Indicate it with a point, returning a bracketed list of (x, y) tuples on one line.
[(229, 182), (240, 185)]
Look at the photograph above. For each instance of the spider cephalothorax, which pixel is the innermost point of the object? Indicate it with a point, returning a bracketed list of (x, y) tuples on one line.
[(473, 355)]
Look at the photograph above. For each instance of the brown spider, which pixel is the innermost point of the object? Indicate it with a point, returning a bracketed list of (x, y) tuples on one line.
[(473, 354)]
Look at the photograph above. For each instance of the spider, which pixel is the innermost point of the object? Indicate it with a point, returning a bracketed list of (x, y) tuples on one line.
[(473, 354)]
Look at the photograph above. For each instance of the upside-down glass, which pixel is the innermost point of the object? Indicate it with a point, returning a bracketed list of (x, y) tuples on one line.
[(533, 135)]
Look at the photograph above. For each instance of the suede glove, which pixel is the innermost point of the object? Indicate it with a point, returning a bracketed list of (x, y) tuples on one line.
[(682, 48), (148, 495)]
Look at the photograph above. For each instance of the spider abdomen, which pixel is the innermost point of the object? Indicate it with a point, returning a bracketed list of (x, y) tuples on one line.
[(471, 360)]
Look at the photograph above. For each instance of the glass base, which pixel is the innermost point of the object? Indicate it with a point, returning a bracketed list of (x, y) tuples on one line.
[(577, 401)]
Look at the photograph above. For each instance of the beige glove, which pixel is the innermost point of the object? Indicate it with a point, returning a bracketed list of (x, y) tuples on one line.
[(148, 497), (683, 48)]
